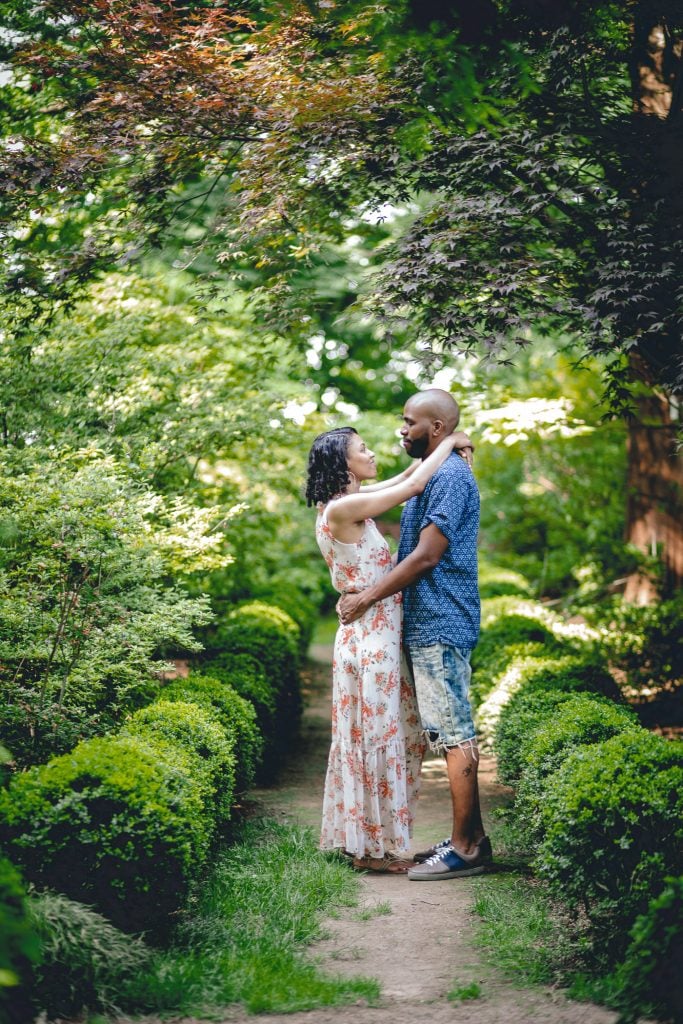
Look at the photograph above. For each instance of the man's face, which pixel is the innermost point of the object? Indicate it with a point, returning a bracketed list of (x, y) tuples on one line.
[(416, 431)]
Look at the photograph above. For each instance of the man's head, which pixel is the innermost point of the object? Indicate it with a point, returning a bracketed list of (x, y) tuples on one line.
[(428, 417)]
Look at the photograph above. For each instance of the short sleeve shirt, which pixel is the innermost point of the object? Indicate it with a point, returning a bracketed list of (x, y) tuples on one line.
[(443, 605)]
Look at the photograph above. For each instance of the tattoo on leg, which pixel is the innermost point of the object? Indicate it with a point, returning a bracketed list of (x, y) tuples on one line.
[(468, 770)]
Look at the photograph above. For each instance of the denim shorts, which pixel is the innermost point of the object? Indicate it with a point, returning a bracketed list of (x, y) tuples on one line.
[(442, 681)]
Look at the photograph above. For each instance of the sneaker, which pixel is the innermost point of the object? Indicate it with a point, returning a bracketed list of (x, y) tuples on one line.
[(484, 844), (447, 864), (424, 855)]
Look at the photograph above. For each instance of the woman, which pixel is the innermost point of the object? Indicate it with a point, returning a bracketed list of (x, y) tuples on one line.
[(373, 771)]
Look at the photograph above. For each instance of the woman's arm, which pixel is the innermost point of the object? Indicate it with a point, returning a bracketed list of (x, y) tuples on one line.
[(463, 446), (354, 508)]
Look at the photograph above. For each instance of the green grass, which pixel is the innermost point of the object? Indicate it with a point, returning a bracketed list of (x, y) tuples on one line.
[(521, 931), (243, 936), (462, 993), (380, 909)]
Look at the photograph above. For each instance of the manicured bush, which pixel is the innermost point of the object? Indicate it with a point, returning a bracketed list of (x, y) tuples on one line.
[(236, 714), (243, 674), (295, 603), (84, 962), (518, 721), (512, 628), (580, 672), (197, 731), (497, 582), (112, 824), (649, 981), (486, 677), (581, 721), (613, 822), (573, 673), (19, 946), (271, 637)]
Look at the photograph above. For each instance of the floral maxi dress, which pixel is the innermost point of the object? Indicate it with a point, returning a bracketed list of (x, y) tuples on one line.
[(373, 772)]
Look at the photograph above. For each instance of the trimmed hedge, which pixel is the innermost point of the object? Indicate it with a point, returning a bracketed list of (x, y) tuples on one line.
[(243, 674), (649, 981), (292, 601), (613, 822), (581, 721), (271, 638), (112, 824), (196, 731), (236, 714), (573, 673), (511, 628), (519, 719)]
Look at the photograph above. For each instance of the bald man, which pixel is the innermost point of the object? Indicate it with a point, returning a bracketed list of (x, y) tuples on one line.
[(437, 572)]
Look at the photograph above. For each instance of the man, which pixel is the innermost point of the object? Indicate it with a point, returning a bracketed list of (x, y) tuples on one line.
[(437, 572)]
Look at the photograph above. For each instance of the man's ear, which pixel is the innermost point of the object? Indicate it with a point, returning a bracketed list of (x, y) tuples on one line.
[(438, 428)]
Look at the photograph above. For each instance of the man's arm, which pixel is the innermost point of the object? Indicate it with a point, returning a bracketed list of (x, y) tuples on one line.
[(430, 549)]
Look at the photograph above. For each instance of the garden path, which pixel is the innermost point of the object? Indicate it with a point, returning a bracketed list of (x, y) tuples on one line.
[(418, 940)]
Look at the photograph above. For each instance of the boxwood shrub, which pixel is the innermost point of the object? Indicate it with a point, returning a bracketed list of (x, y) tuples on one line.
[(236, 714), (581, 721), (111, 824), (195, 730), (271, 637), (648, 981), (518, 720), (295, 603), (512, 628), (612, 817), (243, 674)]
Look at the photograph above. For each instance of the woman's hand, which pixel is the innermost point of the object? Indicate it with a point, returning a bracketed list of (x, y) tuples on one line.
[(462, 444)]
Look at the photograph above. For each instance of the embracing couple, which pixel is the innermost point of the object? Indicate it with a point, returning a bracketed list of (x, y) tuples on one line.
[(401, 679)]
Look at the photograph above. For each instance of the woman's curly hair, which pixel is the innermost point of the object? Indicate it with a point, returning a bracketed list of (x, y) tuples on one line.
[(328, 471)]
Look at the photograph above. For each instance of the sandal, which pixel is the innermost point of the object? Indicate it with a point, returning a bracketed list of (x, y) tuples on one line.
[(389, 864)]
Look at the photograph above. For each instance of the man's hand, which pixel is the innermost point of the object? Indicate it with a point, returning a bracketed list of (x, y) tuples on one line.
[(350, 607)]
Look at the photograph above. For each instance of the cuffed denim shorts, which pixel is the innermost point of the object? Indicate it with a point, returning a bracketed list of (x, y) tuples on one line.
[(442, 681)]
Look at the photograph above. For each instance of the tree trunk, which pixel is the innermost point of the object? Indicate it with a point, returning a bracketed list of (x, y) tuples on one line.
[(654, 515), (654, 520)]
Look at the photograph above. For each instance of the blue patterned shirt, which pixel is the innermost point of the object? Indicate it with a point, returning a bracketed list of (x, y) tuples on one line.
[(443, 605)]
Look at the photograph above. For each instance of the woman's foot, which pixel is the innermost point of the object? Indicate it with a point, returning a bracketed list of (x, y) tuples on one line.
[(389, 864)]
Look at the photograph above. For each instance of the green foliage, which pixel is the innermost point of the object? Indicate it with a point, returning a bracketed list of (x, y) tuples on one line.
[(196, 731), (519, 718), (271, 637), (84, 606), (645, 643), (85, 961), (112, 824), (463, 993), (242, 935), (295, 603), (582, 672), (581, 721), (244, 674), (495, 581), (612, 817), (19, 944), (648, 981), (235, 713), (508, 630)]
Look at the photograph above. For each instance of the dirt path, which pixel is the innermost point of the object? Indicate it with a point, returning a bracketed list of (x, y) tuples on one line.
[(417, 939)]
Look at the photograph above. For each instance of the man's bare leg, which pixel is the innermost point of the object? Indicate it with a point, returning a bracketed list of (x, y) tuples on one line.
[(462, 764)]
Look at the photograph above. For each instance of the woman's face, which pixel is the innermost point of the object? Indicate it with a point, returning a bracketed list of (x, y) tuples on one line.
[(360, 460)]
